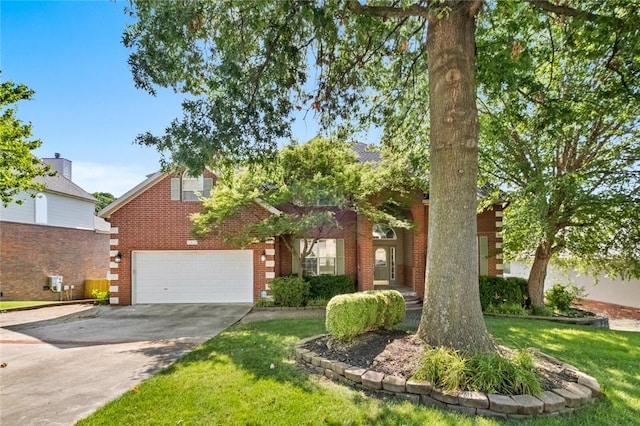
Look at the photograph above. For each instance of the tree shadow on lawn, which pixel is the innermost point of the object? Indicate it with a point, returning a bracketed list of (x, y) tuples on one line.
[(609, 356), (265, 349)]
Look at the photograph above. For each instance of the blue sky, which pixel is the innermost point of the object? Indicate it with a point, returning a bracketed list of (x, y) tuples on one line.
[(86, 106)]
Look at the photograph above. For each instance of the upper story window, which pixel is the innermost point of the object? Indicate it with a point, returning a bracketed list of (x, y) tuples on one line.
[(383, 232), (190, 188)]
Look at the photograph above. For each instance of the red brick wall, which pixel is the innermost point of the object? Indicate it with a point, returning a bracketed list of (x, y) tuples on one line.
[(152, 221), (29, 254)]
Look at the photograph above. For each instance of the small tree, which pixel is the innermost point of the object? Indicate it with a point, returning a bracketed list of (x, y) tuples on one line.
[(314, 186), (18, 165)]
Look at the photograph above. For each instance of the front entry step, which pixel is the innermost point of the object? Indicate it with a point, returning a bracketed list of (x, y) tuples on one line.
[(411, 298)]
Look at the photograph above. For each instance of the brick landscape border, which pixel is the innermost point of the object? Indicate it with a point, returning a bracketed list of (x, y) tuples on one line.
[(568, 398)]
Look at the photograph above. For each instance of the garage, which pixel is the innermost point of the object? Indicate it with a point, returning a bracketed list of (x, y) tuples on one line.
[(211, 276)]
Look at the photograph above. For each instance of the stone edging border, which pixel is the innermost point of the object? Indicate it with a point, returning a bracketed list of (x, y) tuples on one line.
[(572, 395)]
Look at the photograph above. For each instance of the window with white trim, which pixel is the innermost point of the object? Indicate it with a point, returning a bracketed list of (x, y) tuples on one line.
[(322, 259), (190, 188)]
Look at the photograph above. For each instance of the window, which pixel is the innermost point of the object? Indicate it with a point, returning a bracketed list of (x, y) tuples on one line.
[(322, 260), (383, 232), (190, 188)]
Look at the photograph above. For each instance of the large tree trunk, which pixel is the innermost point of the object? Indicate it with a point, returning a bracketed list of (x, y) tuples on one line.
[(452, 315), (538, 274)]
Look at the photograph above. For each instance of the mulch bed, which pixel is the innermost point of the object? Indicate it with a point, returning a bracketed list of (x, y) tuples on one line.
[(397, 353)]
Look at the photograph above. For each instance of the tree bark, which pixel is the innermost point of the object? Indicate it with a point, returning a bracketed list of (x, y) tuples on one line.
[(452, 315), (538, 274)]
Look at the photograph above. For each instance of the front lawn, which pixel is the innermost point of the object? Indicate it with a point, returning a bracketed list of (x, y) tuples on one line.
[(23, 304), (245, 376)]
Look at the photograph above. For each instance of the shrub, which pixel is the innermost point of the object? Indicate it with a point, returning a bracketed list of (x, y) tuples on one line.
[(102, 297), (327, 286), (350, 315), (317, 302), (498, 290), (483, 372), (289, 291), (507, 308), (264, 303), (541, 311), (561, 297)]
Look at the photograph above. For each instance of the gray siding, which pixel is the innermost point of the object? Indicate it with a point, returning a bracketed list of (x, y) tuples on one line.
[(22, 213), (70, 212)]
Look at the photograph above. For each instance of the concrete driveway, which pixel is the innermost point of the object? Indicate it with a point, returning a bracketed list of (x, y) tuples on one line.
[(64, 362)]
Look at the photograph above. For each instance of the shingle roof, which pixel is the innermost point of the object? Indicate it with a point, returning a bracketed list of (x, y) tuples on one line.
[(364, 155), (62, 185)]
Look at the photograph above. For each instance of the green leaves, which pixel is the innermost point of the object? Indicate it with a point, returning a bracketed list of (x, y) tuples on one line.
[(560, 125), (18, 166)]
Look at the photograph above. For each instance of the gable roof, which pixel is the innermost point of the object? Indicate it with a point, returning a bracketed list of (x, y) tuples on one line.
[(61, 185), (151, 180)]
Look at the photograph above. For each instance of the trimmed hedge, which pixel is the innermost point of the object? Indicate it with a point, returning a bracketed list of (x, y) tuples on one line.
[(327, 286), (349, 315), (499, 291)]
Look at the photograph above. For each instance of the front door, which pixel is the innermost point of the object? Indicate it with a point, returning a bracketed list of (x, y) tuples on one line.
[(384, 265)]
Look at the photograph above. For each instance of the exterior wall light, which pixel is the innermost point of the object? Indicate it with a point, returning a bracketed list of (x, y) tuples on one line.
[(118, 257), (263, 256)]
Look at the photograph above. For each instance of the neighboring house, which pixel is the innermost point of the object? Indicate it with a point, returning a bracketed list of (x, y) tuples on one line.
[(604, 289), (55, 233), (156, 260)]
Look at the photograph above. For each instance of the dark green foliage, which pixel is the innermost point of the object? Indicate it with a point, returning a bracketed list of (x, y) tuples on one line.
[(327, 286), (104, 199), (499, 291), (289, 291), (560, 297)]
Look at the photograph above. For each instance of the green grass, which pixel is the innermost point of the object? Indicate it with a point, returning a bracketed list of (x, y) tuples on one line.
[(229, 380), (23, 304)]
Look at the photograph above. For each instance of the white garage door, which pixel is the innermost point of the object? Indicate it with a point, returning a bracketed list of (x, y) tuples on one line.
[(218, 276)]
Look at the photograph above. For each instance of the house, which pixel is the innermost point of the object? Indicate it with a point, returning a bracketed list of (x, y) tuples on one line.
[(54, 234), (603, 289), (156, 260)]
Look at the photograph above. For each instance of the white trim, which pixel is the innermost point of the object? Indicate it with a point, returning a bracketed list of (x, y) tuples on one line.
[(498, 213), (113, 230), (131, 194), (270, 263), (270, 240), (270, 252), (499, 267), (192, 242), (498, 245), (498, 224), (499, 256), (269, 275), (113, 265), (113, 242), (498, 234), (114, 300), (267, 207), (112, 277), (112, 253), (113, 289)]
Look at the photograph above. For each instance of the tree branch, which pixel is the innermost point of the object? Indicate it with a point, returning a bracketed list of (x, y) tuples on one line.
[(415, 9), (570, 11)]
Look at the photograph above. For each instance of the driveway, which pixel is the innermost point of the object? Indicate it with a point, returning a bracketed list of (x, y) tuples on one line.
[(64, 362)]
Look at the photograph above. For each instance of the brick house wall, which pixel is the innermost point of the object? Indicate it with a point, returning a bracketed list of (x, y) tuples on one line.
[(29, 254), (152, 221)]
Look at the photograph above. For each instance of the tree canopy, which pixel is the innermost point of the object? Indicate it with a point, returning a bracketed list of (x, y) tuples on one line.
[(313, 187), (561, 125), (407, 67), (104, 199), (18, 165)]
